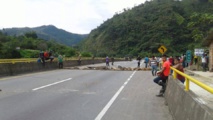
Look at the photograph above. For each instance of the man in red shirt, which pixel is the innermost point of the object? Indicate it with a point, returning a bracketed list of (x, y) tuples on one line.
[(163, 75)]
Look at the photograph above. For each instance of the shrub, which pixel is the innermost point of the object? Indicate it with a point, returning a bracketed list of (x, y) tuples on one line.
[(86, 54), (26, 53)]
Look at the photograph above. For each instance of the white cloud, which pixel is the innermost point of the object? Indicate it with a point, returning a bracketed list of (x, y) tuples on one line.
[(77, 16)]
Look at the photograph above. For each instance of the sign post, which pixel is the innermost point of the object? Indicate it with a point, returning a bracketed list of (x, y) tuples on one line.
[(188, 57)]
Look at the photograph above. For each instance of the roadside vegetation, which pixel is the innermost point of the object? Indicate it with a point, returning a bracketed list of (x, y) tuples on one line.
[(29, 46), (179, 25)]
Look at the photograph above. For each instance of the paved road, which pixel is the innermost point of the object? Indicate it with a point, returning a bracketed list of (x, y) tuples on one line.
[(82, 95)]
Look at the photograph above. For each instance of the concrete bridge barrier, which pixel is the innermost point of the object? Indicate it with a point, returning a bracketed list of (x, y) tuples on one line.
[(7, 69), (185, 105)]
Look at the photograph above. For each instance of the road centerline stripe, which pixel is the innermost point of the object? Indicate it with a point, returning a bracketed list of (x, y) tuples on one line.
[(108, 105), (38, 88)]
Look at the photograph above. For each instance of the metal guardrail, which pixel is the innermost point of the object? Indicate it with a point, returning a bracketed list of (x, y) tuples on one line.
[(189, 78)]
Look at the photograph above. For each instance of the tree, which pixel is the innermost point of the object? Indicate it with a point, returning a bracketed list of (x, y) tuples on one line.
[(200, 24), (42, 46), (31, 35)]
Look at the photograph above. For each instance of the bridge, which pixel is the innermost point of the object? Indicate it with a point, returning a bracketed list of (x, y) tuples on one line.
[(76, 93)]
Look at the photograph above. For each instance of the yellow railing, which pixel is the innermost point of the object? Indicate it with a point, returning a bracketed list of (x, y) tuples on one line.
[(13, 61), (83, 58), (28, 60), (188, 79)]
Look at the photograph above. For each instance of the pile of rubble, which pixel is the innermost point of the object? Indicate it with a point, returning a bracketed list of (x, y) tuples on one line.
[(118, 68)]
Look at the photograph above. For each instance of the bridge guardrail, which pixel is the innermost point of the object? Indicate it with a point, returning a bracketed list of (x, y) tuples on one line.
[(189, 78), (28, 60), (13, 61)]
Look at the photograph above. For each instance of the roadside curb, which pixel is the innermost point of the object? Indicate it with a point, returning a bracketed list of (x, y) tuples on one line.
[(195, 74)]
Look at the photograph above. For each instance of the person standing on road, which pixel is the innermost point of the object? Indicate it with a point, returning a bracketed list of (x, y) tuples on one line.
[(179, 67), (146, 61), (163, 75), (60, 61), (107, 61), (139, 61), (153, 64), (204, 62), (112, 60)]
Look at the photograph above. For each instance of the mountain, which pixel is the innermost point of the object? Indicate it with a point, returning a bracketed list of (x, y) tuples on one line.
[(178, 25), (48, 32)]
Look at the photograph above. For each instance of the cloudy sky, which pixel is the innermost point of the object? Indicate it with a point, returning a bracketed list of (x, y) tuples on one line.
[(76, 16)]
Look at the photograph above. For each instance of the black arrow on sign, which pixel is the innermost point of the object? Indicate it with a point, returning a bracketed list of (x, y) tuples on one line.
[(162, 49)]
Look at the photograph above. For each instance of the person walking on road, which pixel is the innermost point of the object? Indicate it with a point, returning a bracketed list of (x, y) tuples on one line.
[(153, 64), (162, 77)]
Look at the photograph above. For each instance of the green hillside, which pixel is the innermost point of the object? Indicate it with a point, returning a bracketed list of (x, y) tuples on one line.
[(29, 46), (48, 32), (178, 25)]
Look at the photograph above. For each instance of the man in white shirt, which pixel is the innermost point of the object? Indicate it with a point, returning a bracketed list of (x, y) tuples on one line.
[(153, 64), (204, 62)]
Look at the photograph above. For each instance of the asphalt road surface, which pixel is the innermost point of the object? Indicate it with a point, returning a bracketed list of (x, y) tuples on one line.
[(82, 95)]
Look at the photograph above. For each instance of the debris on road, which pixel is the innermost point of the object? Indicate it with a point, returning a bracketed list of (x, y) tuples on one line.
[(118, 68)]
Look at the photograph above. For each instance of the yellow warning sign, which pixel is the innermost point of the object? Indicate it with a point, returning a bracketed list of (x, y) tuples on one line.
[(162, 49)]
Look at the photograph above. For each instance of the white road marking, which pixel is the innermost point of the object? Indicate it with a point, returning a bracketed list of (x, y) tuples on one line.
[(51, 84), (105, 109), (125, 83)]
